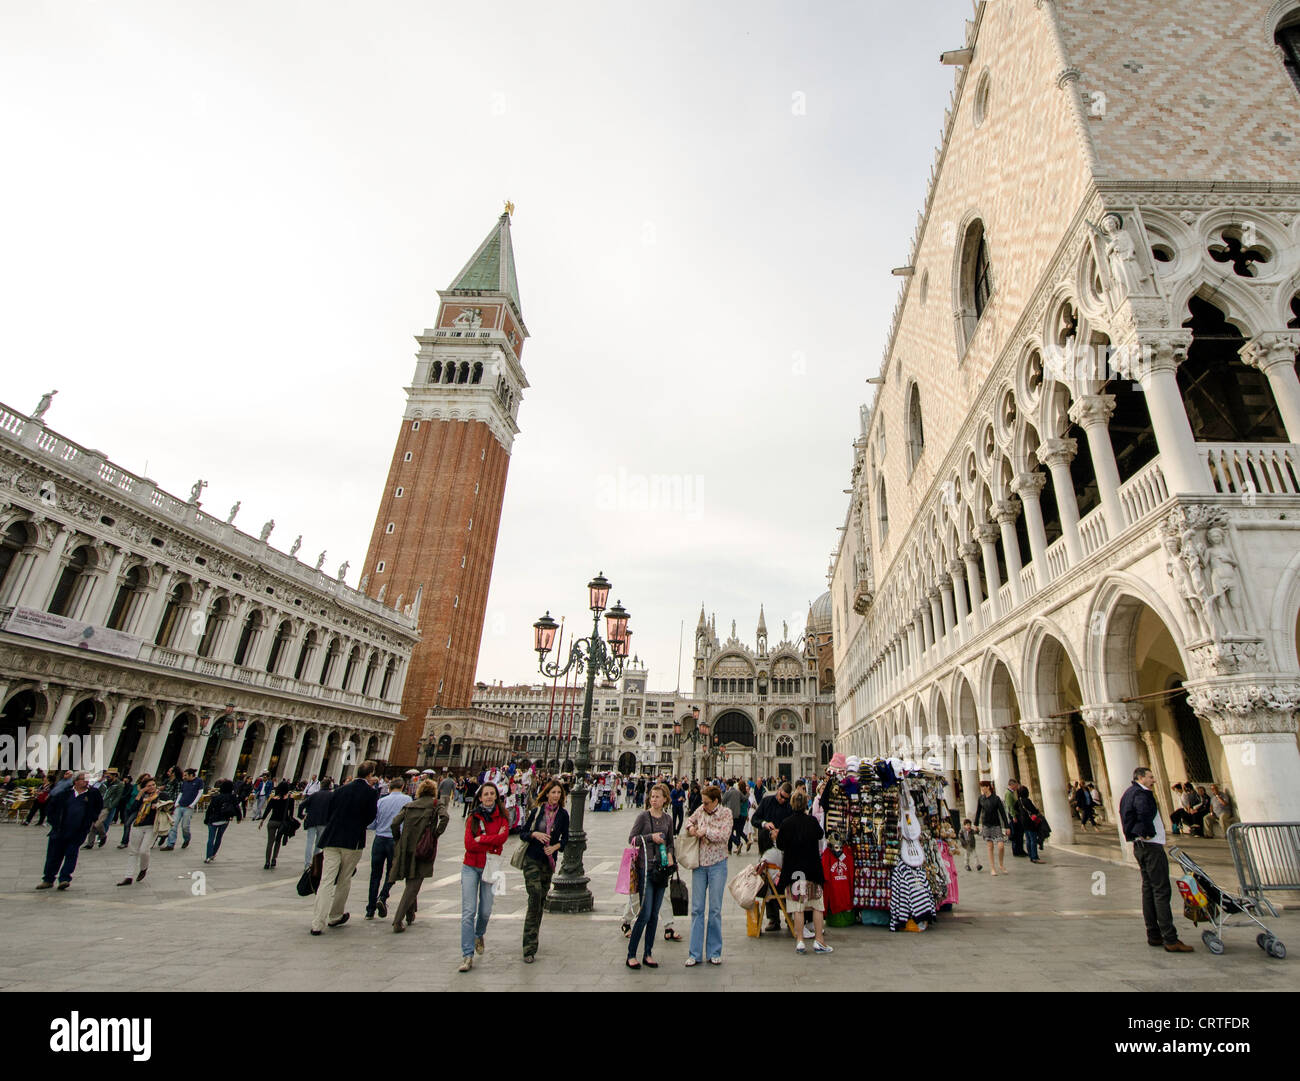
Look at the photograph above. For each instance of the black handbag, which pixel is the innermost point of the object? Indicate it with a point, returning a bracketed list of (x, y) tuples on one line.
[(309, 880), (678, 897)]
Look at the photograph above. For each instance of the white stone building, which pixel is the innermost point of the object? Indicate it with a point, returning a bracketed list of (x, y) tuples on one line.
[(225, 653), (1073, 542), (769, 709)]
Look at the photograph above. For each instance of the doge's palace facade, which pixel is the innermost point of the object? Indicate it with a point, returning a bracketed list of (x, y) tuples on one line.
[(230, 655), (1073, 541)]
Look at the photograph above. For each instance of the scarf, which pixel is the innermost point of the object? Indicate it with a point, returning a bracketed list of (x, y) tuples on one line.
[(549, 814), (145, 805)]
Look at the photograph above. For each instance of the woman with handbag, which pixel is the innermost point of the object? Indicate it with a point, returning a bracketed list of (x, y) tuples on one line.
[(1030, 820), (277, 816), (712, 823), (652, 832), (416, 829), (486, 832), (545, 834), (142, 812)]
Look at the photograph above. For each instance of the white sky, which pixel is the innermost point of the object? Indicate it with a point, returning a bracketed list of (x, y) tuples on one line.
[(225, 223)]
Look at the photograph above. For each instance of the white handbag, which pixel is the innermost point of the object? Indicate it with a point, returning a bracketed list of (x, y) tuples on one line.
[(687, 849)]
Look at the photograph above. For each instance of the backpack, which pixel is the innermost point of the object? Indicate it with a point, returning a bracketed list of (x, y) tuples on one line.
[(426, 848)]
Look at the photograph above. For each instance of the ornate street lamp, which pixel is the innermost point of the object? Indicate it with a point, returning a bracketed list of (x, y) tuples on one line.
[(569, 892), (698, 735)]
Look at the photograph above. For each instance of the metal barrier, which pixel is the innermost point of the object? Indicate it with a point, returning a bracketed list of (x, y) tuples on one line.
[(1267, 858)]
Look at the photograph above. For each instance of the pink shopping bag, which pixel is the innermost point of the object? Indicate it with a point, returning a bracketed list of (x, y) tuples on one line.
[(624, 883)]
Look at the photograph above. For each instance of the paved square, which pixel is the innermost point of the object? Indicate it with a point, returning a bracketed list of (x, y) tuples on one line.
[(1041, 928)]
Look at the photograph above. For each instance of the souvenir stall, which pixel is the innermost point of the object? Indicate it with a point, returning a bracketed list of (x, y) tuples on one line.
[(888, 835)]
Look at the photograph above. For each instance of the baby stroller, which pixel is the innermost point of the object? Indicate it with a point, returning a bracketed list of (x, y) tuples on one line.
[(1204, 901)]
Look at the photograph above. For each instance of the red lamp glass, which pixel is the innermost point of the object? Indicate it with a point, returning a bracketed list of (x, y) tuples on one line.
[(544, 634), (598, 592), (616, 622)]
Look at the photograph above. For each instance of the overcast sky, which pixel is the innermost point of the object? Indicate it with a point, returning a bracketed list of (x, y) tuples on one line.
[(226, 222)]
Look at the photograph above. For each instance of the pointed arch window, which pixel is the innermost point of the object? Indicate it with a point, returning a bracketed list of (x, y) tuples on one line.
[(974, 282), (915, 428), (882, 510), (1287, 38)]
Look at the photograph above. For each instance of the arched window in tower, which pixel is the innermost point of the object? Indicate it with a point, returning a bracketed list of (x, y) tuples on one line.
[(974, 281), (435, 373), (449, 373), (1226, 400), (785, 747), (477, 377), (463, 375), (882, 510), (1287, 38), (66, 592), (915, 428)]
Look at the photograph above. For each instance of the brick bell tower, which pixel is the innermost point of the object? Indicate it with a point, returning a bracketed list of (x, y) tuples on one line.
[(435, 534)]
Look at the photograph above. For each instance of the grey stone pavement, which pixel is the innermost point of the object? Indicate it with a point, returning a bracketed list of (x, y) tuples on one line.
[(1040, 928)]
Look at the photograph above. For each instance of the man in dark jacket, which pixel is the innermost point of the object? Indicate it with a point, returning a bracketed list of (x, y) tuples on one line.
[(187, 798), (1140, 817), (351, 810), (72, 812), (771, 814), (315, 813)]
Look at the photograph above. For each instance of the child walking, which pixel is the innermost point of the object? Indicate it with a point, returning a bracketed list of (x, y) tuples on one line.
[(967, 838)]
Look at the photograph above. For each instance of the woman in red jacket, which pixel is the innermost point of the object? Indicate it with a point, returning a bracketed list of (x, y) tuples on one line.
[(483, 873)]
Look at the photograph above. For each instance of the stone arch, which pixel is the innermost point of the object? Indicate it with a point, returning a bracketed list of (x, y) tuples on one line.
[(968, 718), (735, 726), (1285, 615), (131, 740), (1113, 612), (1047, 646), (1240, 304)]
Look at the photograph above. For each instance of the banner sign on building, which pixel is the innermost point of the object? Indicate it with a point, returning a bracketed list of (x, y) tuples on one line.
[(71, 632)]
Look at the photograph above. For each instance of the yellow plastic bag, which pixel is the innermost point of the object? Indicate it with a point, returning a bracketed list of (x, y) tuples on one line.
[(754, 921)]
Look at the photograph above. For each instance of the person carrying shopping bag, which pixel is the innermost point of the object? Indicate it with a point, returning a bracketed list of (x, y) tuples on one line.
[(712, 823), (486, 832), (653, 833)]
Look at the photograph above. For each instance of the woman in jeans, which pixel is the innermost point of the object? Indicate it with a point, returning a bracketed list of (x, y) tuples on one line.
[(279, 809), (547, 832), (655, 825), (221, 810), (486, 832), (712, 824)]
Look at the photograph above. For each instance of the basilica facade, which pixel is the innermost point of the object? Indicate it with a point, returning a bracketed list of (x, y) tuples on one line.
[(1073, 540), (769, 710)]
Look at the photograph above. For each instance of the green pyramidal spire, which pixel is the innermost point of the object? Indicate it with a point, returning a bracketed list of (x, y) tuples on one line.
[(491, 269)]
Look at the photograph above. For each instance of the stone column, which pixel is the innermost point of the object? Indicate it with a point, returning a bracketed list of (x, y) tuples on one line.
[(935, 625), (40, 583), (1047, 737), (970, 552), (1057, 454), (147, 625), (1029, 487), (1162, 353), (953, 585), (113, 730), (1092, 413), (988, 536), (316, 758), (289, 755), (1118, 725), (228, 756), (999, 743), (196, 743), (968, 763), (54, 727), (1256, 720), (1274, 355), (97, 610), (919, 637), (1007, 511), (146, 759)]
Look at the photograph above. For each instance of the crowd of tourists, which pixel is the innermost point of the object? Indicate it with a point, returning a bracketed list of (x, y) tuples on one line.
[(680, 823)]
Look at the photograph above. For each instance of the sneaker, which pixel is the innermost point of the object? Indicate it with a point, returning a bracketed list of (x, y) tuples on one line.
[(340, 921), (370, 915), (466, 963), (478, 944), (167, 848), (799, 947), (821, 947), (808, 932), (691, 962)]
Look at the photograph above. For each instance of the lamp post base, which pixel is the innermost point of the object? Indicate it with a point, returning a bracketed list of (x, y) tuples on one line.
[(572, 897), (569, 892)]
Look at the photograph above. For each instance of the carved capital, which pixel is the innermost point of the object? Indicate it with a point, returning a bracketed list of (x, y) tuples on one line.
[(970, 550), (997, 739), (1029, 485), (1057, 451), (956, 569), (1092, 410), (945, 581), (1163, 351), (1007, 511), (1230, 656), (1264, 351), (988, 533), (933, 594), (1044, 731), (1114, 720), (1243, 709)]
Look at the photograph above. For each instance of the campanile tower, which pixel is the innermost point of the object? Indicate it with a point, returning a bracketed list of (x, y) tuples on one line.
[(435, 534)]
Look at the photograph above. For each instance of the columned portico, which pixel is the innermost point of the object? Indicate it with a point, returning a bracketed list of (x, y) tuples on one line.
[(1118, 725), (968, 764)]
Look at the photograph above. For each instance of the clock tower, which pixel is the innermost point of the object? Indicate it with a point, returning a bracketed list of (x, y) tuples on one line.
[(435, 533)]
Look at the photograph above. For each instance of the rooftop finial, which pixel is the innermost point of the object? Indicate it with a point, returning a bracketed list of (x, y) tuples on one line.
[(510, 208)]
